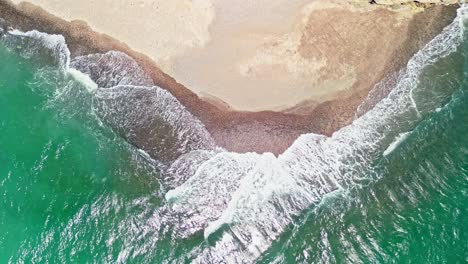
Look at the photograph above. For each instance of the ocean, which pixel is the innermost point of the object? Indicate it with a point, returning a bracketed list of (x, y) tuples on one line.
[(98, 165)]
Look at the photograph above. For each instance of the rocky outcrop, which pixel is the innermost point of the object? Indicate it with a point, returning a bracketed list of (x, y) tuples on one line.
[(420, 3), (392, 2)]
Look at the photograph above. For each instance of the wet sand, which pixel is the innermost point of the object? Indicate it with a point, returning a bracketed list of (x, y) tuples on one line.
[(267, 130)]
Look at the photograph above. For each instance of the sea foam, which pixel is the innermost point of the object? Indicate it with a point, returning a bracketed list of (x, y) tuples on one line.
[(243, 202)]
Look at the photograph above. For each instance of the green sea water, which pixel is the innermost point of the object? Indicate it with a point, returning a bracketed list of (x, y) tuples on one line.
[(73, 191), (67, 183)]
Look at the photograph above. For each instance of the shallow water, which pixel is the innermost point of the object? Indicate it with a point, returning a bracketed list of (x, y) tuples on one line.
[(78, 183)]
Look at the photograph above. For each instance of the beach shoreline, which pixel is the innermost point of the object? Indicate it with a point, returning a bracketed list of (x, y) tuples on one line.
[(240, 131)]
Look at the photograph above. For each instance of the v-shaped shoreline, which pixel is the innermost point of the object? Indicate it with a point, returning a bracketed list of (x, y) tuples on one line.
[(240, 131)]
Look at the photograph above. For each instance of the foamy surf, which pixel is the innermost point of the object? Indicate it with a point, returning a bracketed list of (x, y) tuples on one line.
[(84, 79), (268, 192), (398, 140), (241, 202), (39, 46)]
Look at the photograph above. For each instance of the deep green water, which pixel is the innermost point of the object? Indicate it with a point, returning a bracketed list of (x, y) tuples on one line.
[(72, 191)]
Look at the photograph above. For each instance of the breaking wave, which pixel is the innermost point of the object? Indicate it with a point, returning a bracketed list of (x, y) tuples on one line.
[(243, 202)]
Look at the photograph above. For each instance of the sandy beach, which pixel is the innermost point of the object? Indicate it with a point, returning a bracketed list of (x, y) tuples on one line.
[(306, 65), (253, 55), (147, 26)]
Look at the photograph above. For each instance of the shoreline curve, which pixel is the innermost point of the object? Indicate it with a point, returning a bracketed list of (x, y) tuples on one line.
[(238, 131)]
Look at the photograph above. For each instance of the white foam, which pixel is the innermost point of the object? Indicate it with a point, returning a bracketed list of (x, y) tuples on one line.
[(398, 140), (84, 79), (153, 119), (33, 43), (124, 95), (244, 202), (112, 69)]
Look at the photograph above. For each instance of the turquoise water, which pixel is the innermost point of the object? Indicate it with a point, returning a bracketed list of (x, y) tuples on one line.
[(416, 213), (61, 167), (74, 191), (417, 210)]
